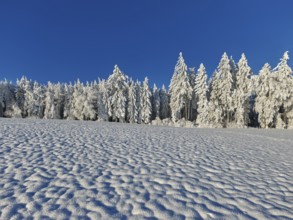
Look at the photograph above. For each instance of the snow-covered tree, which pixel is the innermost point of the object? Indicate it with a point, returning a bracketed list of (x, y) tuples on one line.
[(164, 105), (242, 93), (180, 91), (283, 96), (265, 103), (117, 90), (78, 100), (145, 103), (28, 99), (156, 102), (220, 106), (68, 104), (20, 94), (193, 101), (138, 101), (234, 69), (38, 100), (200, 88), (132, 109), (54, 101), (103, 101), (7, 98), (89, 111)]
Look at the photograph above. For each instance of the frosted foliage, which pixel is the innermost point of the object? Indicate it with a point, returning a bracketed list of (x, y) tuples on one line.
[(164, 105), (54, 101), (103, 101), (38, 101), (242, 93), (145, 102), (28, 99), (89, 110), (234, 69), (19, 94), (221, 105), (264, 103), (78, 101), (117, 90), (156, 102), (7, 99), (68, 101), (226, 85), (200, 89), (138, 101), (283, 90), (180, 91), (232, 97), (132, 104)]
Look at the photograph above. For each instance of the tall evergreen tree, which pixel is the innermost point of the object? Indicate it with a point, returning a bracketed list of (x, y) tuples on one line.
[(145, 103), (103, 101), (68, 98), (7, 99), (90, 94), (156, 102), (283, 96), (225, 77), (180, 91), (264, 103), (38, 100), (132, 105), (242, 93), (200, 88), (164, 105), (117, 90), (138, 91), (78, 101)]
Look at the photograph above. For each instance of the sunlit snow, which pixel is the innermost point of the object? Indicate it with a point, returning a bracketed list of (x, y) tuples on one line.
[(53, 169)]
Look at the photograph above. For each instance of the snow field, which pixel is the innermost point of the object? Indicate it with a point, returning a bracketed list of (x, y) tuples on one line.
[(52, 169)]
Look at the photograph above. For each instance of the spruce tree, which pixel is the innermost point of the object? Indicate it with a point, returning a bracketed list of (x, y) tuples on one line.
[(200, 88), (145, 103)]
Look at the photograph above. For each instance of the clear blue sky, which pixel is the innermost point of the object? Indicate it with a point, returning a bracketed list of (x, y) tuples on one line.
[(62, 40)]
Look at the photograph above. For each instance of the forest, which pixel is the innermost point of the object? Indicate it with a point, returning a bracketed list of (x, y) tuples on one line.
[(232, 97)]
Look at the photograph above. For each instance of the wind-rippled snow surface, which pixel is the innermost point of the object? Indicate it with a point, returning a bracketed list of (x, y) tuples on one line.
[(53, 169)]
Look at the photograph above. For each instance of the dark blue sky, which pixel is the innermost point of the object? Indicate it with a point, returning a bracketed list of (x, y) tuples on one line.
[(62, 40)]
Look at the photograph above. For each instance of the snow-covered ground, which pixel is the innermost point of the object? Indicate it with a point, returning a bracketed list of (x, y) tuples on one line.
[(52, 169)]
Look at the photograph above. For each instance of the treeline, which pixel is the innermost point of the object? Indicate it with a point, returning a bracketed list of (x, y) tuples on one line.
[(232, 97)]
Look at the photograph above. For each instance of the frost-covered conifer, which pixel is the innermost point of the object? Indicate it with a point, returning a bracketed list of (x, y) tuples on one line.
[(220, 97), (103, 101), (7, 98), (89, 111), (138, 101), (68, 98), (242, 93), (200, 88), (193, 101), (283, 96), (164, 105), (264, 103), (117, 91), (156, 102), (145, 102), (180, 91), (54, 101), (132, 107), (28, 99), (78, 100), (38, 100), (19, 94), (234, 69)]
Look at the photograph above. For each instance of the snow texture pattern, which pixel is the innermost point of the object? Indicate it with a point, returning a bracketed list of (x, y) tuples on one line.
[(53, 169)]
